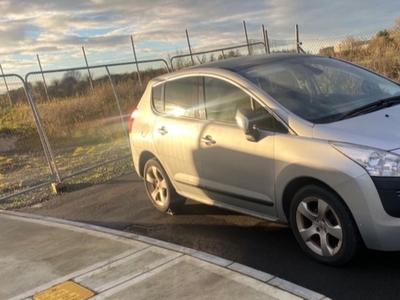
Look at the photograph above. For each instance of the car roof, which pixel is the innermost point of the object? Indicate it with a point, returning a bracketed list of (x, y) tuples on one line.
[(246, 62)]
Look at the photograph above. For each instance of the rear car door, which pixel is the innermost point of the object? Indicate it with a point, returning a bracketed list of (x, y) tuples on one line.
[(175, 132)]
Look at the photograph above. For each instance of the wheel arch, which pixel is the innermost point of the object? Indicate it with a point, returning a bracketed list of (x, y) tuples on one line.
[(143, 159), (293, 186)]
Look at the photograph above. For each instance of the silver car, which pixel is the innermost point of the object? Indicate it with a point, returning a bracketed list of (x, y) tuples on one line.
[(304, 140)]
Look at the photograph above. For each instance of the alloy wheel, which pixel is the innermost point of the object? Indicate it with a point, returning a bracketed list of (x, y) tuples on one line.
[(319, 226), (157, 186)]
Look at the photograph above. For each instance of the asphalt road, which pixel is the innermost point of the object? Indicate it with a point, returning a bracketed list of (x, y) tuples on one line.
[(122, 204)]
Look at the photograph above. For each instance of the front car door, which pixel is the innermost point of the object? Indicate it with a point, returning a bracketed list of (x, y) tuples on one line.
[(237, 173)]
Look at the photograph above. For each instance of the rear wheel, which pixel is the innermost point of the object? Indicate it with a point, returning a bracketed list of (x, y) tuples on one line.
[(159, 188), (323, 226)]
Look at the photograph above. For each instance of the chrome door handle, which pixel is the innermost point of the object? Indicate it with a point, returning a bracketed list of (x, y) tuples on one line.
[(162, 130), (208, 140)]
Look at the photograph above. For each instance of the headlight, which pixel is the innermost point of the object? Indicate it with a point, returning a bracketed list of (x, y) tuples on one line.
[(376, 162)]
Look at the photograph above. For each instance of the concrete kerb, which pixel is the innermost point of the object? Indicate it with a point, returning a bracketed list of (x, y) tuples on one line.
[(231, 265)]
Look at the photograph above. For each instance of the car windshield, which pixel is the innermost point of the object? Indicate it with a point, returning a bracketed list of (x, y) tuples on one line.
[(321, 89)]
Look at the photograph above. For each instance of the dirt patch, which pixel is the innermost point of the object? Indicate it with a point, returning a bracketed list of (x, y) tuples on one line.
[(7, 143)]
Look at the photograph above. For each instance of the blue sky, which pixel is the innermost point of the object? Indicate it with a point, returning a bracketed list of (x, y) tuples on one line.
[(56, 30)]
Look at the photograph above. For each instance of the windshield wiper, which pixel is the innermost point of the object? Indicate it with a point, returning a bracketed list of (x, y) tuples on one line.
[(378, 105)]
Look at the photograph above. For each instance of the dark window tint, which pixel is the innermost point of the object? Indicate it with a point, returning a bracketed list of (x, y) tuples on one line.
[(222, 100), (181, 97)]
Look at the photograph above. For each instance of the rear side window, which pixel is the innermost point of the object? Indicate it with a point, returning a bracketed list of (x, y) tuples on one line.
[(181, 97), (157, 99)]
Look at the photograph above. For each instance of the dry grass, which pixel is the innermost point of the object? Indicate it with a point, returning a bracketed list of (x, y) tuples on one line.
[(380, 54)]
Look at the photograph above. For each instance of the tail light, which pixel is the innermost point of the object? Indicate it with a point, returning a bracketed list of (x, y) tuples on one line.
[(134, 115)]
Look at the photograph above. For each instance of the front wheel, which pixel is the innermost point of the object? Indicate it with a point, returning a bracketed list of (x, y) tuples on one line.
[(159, 188), (323, 226)]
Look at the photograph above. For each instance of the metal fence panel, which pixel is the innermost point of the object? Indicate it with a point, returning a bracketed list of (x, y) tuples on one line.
[(282, 46), (23, 162), (86, 111), (83, 125)]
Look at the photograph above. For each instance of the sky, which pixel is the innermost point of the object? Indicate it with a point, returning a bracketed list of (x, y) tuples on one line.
[(57, 30)]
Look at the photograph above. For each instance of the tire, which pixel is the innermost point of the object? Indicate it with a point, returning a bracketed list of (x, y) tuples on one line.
[(323, 226), (159, 188)]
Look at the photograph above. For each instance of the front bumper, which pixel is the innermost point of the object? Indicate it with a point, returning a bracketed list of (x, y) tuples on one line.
[(379, 230)]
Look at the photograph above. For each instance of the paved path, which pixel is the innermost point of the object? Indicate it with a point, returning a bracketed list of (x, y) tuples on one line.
[(47, 258)]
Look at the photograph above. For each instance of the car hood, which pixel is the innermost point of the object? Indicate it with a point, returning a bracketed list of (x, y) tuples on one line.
[(380, 129)]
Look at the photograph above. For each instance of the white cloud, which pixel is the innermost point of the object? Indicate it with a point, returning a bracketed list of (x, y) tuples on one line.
[(56, 28)]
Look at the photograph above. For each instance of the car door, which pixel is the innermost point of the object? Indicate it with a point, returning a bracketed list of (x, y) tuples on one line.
[(175, 133), (236, 172)]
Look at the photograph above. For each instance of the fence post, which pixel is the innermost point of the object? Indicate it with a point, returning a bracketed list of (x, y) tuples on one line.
[(265, 37), (137, 64), (48, 152), (190, 48), (297, 38), (5, 82), (247, 37), (223, 54), (119, 107), (44, 80), (267, 41), (87, 66)]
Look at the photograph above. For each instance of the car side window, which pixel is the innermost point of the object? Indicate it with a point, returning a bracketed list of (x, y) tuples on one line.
[(266, 121), (157, 99), (223, 99), (180, 97)]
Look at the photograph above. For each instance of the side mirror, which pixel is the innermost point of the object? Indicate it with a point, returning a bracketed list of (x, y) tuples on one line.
[(245, 119)]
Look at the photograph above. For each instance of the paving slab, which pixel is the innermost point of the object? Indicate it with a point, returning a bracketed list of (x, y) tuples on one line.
[(191, 278)]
